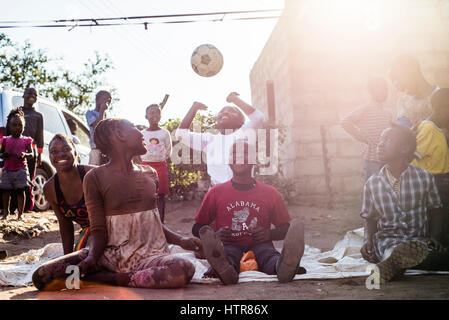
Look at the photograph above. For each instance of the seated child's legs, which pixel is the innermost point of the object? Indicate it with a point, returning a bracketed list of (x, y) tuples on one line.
[(442, 182), (234, 253), (56, 268), (435, 261), (168, 271), (266, 256)]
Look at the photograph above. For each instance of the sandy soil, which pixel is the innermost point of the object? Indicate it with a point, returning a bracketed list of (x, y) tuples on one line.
[(324, 227)]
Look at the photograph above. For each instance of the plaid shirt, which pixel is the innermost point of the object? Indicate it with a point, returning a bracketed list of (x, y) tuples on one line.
[(399, 218)]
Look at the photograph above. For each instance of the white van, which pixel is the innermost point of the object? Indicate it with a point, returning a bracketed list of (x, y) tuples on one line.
[(55, 121)]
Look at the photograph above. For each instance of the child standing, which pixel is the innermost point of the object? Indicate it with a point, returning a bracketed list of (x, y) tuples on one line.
[(432, 149), (15, 150), (159, 147), (367, 123)]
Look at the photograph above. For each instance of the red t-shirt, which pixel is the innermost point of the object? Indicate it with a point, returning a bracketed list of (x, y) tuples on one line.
[(243, 211), (15, 146)]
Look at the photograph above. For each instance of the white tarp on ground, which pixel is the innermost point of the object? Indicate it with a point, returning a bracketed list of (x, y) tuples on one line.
[(343, 261)]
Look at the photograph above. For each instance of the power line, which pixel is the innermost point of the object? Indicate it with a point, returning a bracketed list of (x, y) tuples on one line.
[(96, 22), (145, 24)]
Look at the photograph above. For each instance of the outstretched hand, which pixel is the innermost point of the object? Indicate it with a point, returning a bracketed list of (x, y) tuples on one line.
[(191, 244)]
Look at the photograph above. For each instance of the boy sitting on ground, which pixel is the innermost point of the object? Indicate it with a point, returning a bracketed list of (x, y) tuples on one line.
[(243, 210), (398, 204)]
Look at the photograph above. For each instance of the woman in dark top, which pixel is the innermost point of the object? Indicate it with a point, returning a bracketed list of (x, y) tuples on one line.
[(64, 191)]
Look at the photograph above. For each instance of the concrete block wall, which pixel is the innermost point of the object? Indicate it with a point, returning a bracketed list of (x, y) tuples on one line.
[(319, 75)]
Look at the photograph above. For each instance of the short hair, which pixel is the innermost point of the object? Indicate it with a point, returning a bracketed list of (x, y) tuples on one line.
[(103, 132), (29, 89), (440, 101), (154, 105), (101, 93), (404, 66), (13, 113), (61, 137), (407, 137)]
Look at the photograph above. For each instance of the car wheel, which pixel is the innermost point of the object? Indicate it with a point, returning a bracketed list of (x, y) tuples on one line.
[(40, 203)]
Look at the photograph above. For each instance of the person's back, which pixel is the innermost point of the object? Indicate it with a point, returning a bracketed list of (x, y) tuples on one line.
[(432, 148), (366, 124)]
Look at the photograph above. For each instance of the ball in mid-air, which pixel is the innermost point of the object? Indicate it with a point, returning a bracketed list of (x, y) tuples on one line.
[(206, 60)]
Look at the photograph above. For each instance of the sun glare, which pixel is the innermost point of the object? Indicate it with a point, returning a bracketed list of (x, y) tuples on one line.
[(343, 15)]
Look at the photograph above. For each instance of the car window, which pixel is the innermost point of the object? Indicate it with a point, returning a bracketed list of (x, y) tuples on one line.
[(82, 133), (52, 120), (17, 101)]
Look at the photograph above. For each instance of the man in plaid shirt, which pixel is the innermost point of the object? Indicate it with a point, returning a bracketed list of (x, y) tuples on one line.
[(402, 211)]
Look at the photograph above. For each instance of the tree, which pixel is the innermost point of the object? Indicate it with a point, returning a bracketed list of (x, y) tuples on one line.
[(22, 66), (74, 90)]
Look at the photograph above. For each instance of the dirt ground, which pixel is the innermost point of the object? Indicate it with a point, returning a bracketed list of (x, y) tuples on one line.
[(324, 227)]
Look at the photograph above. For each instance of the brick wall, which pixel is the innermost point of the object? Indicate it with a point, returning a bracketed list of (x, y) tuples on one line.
[(319, 67)]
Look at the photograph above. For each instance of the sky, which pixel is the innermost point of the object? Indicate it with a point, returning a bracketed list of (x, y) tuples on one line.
[(154, 62)]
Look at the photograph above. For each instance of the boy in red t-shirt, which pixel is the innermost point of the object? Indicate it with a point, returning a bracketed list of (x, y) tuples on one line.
[(243, 210)]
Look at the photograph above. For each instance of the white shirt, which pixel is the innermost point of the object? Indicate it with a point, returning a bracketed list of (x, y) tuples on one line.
[(158, 144), (217, 146)]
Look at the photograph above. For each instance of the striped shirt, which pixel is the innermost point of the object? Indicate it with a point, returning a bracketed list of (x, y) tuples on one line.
[(366, 124), (399, 218)]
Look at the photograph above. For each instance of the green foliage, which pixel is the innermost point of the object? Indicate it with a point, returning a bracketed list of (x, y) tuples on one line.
[(22, 66), (183, 177)]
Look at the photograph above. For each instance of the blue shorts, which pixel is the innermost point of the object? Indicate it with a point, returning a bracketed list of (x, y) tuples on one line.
[(17, 179)]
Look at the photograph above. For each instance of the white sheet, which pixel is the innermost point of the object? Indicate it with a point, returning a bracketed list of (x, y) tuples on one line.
[(343, 261)]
